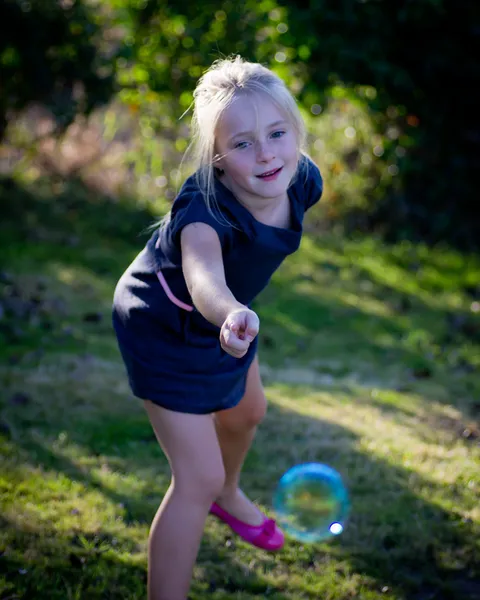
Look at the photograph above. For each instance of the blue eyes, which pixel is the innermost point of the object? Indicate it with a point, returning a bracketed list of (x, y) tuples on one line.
[(275, 135)]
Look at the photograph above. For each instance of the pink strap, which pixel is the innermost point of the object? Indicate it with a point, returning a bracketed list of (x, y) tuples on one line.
[(170, 295)]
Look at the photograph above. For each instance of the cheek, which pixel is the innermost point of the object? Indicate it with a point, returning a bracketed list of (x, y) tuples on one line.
[(240, 165), (289, 147)]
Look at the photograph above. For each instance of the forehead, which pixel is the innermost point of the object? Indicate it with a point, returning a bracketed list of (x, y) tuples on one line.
[(252, 112)]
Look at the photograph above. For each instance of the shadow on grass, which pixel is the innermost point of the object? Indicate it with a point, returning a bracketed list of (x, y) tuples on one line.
[(395, 538), (95, 565), (380, 351)]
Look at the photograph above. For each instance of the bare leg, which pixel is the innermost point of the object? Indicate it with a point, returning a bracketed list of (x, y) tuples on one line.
[(236, 429), (198, 476), (234, 446)]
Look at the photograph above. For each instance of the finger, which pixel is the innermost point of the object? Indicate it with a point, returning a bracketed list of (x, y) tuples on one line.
[(234, 342), (252, 327), (232, 351), (236, 326), (233, 326), (242, 326)]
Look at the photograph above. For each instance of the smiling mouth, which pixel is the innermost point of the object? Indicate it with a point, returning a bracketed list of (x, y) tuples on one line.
[(270, 173)]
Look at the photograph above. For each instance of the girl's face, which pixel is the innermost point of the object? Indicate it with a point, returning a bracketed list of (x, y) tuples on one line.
[(258, 149)]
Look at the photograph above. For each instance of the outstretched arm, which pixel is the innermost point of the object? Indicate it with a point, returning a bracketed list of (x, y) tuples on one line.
[(204, 273)]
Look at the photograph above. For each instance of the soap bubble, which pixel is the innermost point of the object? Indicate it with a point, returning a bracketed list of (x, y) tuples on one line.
[(311, 502)]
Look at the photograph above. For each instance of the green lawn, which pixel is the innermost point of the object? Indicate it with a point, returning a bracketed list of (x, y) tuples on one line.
[(371, 361)]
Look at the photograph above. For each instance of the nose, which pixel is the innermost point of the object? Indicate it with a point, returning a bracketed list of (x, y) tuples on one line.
[(264, 152)]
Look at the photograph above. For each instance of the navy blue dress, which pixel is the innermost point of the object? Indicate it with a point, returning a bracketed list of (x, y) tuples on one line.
[(171, 352)]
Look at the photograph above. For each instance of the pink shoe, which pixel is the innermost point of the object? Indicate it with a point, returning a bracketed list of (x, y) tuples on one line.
[(267, 536)]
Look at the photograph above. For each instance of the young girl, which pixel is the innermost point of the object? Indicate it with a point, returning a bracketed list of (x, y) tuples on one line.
[(182, 312)]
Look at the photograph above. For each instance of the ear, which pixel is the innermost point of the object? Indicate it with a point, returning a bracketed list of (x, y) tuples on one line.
[(218, 165)]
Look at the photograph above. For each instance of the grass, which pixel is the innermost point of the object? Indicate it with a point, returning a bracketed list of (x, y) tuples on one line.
[(370, 358)]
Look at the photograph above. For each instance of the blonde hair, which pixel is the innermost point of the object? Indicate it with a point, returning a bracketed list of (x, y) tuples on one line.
[(215, 91)]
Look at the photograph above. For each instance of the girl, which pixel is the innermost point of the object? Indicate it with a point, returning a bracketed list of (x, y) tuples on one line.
[(182, 312)]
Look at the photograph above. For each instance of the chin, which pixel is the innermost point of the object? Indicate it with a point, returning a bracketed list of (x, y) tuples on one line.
[(273, 193)]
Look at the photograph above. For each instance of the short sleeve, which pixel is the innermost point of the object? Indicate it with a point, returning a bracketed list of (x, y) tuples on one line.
[(310, 181), (190, 207)]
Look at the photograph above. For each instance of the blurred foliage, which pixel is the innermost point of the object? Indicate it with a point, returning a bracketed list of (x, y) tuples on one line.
[(50, 53), (386, 89)]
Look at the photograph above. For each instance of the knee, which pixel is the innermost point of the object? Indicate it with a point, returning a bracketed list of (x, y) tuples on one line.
[(256, 414), (204, 484), (245, 420), (209, 483)]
